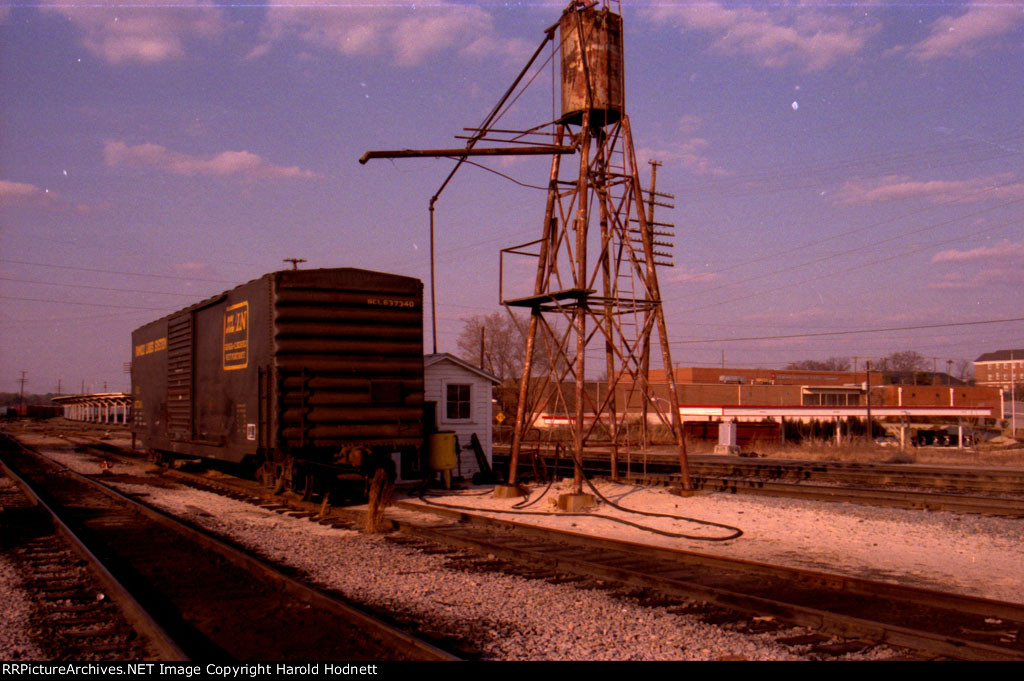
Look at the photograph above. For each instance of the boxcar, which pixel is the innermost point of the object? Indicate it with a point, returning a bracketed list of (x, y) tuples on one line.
[(310, 376)]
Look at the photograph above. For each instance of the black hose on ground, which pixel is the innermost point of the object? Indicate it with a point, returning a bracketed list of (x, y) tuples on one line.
[(735, 531)]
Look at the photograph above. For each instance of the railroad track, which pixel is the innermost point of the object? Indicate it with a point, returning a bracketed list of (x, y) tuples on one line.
[(81, 615), (864, 612), (932, 623), (987, 481), (210, 600), (981, 491)]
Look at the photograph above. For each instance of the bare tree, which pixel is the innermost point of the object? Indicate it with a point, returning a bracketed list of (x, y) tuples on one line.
[(965, 370), (830, 364), (494, 343), (903, 367), (497, 344)]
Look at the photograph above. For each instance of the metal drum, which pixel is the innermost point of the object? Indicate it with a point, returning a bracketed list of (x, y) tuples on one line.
[(442, 455)]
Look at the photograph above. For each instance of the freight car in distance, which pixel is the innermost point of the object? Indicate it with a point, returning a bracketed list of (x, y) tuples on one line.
[(310, 378)]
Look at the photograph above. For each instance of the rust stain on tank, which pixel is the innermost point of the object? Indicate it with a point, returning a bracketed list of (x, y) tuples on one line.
[(598, 63)]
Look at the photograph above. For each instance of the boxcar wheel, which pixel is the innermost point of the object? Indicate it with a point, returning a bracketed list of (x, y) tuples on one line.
[(268, 475), (279, 479), (301, 481)]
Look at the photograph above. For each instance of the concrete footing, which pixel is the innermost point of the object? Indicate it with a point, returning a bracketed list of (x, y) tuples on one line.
[(576, 502), (508, 491), (730, 450), (680, 492)]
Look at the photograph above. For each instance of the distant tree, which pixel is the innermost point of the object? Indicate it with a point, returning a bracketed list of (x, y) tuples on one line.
[(830, 364), (493, 343), (12, 399), (964, 370), (902, 367), (500, 350), (907, 361)]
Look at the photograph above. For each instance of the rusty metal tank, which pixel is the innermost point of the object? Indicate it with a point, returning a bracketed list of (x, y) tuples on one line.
[(592, 52)]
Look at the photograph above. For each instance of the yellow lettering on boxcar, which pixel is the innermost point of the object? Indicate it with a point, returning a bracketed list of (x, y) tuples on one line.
[(391, 302), (150, 347), (236, 337)]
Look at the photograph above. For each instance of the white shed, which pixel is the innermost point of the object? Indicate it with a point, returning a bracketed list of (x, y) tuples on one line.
[(462, 395)]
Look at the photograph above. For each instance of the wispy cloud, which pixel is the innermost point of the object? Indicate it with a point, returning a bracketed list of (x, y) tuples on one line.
[(1000, 264), (241, 164), (688, 151), (140, 31), (897, 187), (1005, 251), (782, 36), (409, 32), (23, 193), (693, 277), (969, 32), (974, 281)]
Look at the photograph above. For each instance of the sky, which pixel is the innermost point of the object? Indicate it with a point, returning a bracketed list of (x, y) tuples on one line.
[(844, 172)]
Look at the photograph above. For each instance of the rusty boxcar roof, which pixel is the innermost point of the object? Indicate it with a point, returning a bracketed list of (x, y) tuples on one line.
[(350, 277)]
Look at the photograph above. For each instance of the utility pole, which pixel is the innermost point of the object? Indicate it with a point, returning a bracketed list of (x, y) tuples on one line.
[(21, 399), (1013, 396), (867, 394), (294, 261)]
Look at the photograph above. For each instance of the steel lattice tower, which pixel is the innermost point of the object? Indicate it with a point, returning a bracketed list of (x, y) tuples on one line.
[(596, 283)]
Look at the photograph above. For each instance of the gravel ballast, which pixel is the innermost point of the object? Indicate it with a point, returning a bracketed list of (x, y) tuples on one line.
[(17, 636), (507, 617)]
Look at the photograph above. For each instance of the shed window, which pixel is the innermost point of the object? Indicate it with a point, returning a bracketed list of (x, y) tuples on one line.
[(458, 401)]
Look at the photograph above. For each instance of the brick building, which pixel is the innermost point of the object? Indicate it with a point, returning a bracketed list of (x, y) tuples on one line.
[(791, 388), (1000, 369)]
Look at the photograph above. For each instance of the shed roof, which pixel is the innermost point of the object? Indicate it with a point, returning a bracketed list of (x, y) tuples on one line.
[(430, 360)]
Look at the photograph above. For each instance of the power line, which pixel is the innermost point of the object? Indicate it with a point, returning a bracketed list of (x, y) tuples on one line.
[(808, 244), (68, 302), (828, 275), (849, 332), (742, 187), (130, 274), (99, 288)]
